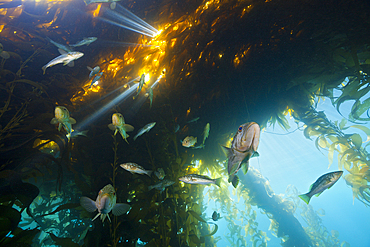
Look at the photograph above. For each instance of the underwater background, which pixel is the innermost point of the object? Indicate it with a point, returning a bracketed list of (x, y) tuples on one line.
[(140, 94)]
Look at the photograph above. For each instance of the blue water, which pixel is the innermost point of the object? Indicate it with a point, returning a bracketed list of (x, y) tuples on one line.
[(292, 159)]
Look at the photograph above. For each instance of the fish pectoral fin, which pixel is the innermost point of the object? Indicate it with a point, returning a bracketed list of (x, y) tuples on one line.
[(72, 120), (245, 166), (255, 154), (120, 209), (228, 151), (54, 121), (111, 127), (88, 204), (128, 128), (70, 64)]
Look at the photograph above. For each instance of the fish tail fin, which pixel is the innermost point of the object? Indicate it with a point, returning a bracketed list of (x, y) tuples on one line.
[(218, 182), (149, 173), (135, 137), (150, 187), (305, 198), (43, 69)]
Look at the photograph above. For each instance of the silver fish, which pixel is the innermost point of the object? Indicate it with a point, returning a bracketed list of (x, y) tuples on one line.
[(135, 168), (93, 71), (60, 46), (193, 120), (85, 41), (145, 129), (161, 185), (65, 58), (141, 84), (189, 141), (63, 119), (96, 78), (112, 5), (199, 179), (206, 132), (324, 182), (150, 95), (104, 203), (160, 173), (243, 147)]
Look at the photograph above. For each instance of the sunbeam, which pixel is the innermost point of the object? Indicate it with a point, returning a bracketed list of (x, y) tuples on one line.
[(119, 99), (123, 26)]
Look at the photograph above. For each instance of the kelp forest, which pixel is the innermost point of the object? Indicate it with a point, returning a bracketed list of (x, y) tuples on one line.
[(227, 62)]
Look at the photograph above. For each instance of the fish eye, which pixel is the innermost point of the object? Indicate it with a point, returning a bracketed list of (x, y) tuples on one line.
[(240, 128)]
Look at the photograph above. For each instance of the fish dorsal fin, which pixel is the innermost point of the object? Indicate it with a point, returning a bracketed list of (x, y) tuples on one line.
[(120, 209), (310, 187), (61, 51), (72, 120)]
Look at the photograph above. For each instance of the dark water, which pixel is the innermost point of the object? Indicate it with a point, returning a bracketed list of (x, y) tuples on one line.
[(226, 63)]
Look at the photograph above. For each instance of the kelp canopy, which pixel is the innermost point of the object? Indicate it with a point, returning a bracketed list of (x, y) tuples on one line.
[(228, 62)]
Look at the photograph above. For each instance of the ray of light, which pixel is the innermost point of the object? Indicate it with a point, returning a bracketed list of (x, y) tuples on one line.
[(136, 18), (123, 26), (124, 19), (108, 106)]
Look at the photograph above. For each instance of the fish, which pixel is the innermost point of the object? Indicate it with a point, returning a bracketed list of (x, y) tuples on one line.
[(112, 5), (135, 168), (118, 124), (145, 129), (199, 146), (75, 133), (141, 84), (243, 147), (206, 132), (150, 95), (216, 216), (161, 186), (160, 173), (66, 48), (66, 58), (104, 203), (96, 78), (176, 128), (93, 71), (189, 141), (324, 182), (85, 41), (199, 179), (63, 119), (193, 120)]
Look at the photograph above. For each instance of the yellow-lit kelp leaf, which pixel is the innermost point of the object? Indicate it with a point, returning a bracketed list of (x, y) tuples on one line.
[(342, 123), (334, 233), (195, 215), (214, 230), (331, 154), (364, 129), (322, 142), (356, 140), (194, 238)]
